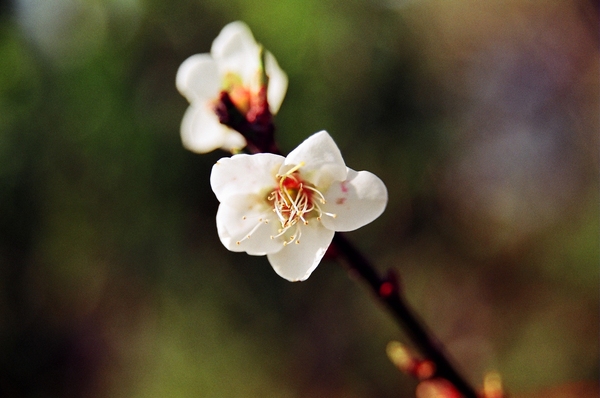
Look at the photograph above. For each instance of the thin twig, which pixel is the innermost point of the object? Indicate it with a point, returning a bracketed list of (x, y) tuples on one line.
[(386, 290)]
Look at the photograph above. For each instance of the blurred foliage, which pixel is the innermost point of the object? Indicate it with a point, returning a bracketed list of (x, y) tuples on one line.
[(481, 117)]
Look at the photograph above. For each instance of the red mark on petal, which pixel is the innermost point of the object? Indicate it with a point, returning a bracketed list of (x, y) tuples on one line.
[(344, 187), (340, 201)]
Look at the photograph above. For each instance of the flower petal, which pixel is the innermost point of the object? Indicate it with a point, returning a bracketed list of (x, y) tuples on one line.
[(233, 140), (202, 132), (235, 37), (295, 262), (198, 78), (244, 175), (235, 50), (355, 202), (246, 227), (278, 82), (323, 162)]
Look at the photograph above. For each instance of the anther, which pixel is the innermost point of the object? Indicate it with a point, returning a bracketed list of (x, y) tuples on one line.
[(295, 202), (260, 222)]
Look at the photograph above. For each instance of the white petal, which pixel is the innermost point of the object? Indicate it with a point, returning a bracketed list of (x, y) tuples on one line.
[(278, 82), (233, 141), (323, 162), (295, 262), (246, 227), (356, 202), (202, 132), (244, 175), (234, 38), (235, 50), (198, 78)]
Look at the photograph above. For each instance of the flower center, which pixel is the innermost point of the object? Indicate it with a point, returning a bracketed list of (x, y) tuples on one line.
[(241, 98), (238, 93), (295, 201)]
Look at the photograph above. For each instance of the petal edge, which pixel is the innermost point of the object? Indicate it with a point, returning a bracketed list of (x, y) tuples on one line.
[(296, 262), (356, 201)]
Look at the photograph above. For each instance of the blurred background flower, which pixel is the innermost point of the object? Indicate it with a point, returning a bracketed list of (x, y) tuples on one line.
[(480, 117)]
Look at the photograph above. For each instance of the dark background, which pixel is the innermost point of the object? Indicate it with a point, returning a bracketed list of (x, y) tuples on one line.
[(480, 117)]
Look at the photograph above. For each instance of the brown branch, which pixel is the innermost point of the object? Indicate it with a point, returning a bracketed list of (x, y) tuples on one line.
[(386, 290)]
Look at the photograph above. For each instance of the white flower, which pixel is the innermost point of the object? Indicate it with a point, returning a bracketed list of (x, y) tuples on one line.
[(289, 208), (234, 65)]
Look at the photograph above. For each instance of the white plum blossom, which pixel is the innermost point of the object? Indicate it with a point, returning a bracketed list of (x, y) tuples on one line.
[(289, 208), (238, 65)]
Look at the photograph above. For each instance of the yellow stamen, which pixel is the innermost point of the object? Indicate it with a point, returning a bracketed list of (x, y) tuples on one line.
[(295, 202)]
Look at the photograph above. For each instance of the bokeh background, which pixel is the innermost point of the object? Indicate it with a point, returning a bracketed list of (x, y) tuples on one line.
[(480, 116)]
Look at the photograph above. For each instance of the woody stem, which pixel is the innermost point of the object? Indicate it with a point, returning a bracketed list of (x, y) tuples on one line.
[(425, 341)]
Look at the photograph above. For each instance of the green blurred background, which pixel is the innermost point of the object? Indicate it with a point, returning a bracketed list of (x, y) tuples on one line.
[(480, 116)]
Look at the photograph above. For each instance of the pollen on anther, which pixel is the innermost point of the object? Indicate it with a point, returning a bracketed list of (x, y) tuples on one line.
[(238, 242), (244, 217)]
